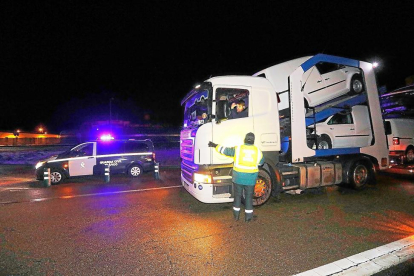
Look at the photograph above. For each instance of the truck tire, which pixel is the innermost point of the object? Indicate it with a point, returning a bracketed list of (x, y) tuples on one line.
[(56, 176), (262, 189), (356, 86), (323, 142), (409, 155), (359, 174)]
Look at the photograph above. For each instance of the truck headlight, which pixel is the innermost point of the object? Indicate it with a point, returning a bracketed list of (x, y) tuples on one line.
[(203, 178), (39, 164)]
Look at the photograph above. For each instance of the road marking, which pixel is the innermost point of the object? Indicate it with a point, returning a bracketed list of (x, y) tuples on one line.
[(92, 194), (13, 189), (368, 262)]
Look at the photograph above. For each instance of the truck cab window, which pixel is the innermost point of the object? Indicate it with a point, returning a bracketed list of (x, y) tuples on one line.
[(232, 103)]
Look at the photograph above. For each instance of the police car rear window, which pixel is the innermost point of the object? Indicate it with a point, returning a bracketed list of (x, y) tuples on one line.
[(110, 148), (136, 147)]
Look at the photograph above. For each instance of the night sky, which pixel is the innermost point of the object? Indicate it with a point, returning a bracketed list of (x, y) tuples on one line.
[(62, 61)]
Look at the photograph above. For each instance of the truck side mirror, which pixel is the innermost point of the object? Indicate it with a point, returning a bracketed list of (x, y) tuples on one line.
[(387, 126), (222, 111)]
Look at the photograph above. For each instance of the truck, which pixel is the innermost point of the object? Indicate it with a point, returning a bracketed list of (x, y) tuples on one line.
[(401, 140), (398, 112), (283, 136)]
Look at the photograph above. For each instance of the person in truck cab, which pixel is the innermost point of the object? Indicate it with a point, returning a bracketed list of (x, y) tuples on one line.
[(246, 158), (238, 110)]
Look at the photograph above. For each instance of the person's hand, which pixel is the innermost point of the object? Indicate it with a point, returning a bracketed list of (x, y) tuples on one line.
[(233, 105), (212, 145)]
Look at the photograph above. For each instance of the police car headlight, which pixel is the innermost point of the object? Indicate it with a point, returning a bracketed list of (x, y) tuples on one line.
[(202, 178), (39, 164)]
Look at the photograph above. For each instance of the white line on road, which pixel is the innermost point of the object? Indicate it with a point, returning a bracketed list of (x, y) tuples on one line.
[(368, 262), (94, 194)]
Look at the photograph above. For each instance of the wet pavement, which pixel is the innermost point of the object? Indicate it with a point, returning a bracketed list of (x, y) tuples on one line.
[(144, 226)]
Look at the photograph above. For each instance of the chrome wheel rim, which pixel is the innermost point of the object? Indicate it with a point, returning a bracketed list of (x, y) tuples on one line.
[(135, 171), (323, 145), (360, 175), (357, 86), (55, 177)]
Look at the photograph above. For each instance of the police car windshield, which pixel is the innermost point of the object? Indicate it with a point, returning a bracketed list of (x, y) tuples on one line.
[(196, 109)]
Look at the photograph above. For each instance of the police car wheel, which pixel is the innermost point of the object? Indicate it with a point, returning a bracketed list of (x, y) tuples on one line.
[(56, 176), (135, 170)]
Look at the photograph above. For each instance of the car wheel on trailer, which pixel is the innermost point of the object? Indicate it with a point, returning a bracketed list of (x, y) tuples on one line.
[(409, 155), (359, 174), (356, 85), (135, 170), (262, 189), (323, 142), (56, 176)]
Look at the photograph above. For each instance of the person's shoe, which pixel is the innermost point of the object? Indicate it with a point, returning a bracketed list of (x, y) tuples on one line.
[(236, 215), (248, 217)]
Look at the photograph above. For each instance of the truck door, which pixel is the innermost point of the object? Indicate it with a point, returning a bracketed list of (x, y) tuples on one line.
[(84, 161), (230, 129)]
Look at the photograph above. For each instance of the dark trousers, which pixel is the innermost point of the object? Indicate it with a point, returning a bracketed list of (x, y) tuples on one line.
[(248, 192)]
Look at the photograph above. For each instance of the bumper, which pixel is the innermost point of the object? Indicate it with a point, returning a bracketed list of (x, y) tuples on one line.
[(206, 192), (396, 157), (39, 173)]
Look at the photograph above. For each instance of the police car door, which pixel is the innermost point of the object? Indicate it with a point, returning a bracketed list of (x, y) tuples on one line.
[(84, 161)]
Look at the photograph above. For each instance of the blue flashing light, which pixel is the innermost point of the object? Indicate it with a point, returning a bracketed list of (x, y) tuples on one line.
[(106, 137)]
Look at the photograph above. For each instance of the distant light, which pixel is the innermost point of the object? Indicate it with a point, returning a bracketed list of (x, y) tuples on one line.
[(107, 137), (375, 64), (197, 86)]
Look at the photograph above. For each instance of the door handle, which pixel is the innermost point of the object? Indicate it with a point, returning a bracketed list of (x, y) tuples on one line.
[(91, 157), (319, 81), (327, 79), (331, 128), (352, 129)]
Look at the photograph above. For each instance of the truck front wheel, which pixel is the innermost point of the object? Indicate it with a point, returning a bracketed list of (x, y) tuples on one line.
[(359, 175), (262, 189)]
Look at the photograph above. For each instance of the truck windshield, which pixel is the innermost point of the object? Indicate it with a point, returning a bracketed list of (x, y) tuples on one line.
[(196, 109)]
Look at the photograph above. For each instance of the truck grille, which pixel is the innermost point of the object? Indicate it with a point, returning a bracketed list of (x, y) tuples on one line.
[(186, 145)]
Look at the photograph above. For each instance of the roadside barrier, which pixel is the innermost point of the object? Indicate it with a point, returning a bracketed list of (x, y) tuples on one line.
[(107, 174), (157, 171), (46, 177)]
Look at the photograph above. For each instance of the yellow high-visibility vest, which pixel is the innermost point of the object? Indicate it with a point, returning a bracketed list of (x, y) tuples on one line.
[(247, 158)]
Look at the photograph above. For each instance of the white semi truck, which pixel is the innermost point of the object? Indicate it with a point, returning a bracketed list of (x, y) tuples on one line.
[(283, 137)]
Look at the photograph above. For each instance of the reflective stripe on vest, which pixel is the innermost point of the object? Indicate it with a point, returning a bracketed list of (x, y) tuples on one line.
[(247, 158)]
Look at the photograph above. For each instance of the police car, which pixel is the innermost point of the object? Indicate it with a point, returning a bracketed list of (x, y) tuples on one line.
[(132, 157)]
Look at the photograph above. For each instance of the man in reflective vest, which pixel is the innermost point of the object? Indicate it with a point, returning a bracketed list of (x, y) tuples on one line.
[(246, 158)]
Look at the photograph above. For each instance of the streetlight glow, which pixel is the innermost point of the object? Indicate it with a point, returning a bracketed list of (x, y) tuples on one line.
[(375, 64)]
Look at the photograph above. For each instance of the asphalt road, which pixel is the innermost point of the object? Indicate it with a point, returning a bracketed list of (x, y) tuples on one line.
[(154, 227)]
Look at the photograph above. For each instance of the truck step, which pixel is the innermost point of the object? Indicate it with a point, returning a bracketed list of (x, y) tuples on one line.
[(226, 195)]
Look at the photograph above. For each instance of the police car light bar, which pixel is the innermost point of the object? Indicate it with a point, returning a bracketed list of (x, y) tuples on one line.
[(107, 137)]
